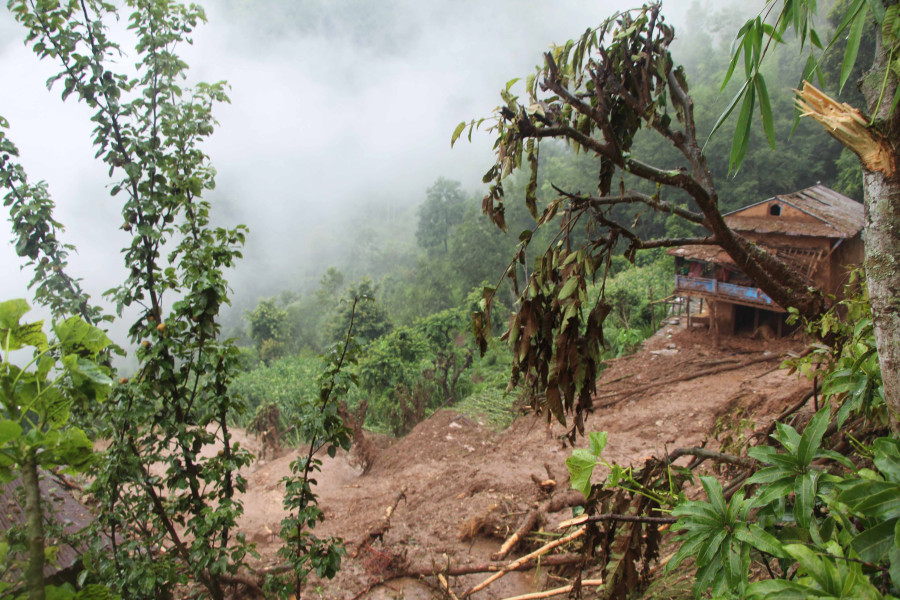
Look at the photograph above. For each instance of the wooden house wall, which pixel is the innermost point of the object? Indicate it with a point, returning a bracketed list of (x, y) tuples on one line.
[(788, 212), (850, 254)]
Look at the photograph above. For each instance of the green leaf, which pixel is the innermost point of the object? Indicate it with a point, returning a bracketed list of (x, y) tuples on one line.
[(812, 436), (894, 558), (761, 539), (9, 430), (11, 311), (774, 491), (887, 457), (457, 132), (778, 589), (875, 543), (787, 436), (769, 475), (765, 110), (713, 490), (92, 371), (710, 549), (693, 515), (742, 130), (77, 336), (805, 486), (736, 572), (597, 442), (724, 116), (878, 10), (809, 562), (568, 288), (853, 39), (689, 548), (14, 335), (581, 466)]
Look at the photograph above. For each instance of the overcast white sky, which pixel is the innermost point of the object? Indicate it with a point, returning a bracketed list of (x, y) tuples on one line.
[(326, 114)]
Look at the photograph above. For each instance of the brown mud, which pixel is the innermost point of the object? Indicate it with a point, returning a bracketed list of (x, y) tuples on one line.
[(467, 487)]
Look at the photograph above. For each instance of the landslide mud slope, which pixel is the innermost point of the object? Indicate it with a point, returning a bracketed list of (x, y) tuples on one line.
[(465, 487)]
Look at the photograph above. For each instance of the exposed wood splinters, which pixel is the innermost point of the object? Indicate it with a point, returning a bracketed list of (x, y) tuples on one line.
[(848, 126)]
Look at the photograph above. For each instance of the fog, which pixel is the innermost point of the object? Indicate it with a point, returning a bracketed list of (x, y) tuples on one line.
[(337, 108)]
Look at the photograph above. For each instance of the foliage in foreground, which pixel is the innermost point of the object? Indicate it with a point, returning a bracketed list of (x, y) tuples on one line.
[(807, 512), (36, 433)]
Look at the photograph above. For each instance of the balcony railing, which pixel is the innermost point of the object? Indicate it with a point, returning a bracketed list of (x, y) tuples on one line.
[(740, 293)]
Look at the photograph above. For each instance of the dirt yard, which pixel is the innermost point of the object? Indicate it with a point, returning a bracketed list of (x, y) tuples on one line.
[(466, 487)]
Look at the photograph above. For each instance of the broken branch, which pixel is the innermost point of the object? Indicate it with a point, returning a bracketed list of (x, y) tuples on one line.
[(557, 591), (848, 126), (525, 559)]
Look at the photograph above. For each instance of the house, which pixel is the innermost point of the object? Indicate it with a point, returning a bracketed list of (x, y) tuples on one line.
[(816, 231)]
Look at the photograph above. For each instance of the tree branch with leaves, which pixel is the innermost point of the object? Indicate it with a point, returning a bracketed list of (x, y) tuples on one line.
[(595, 93)]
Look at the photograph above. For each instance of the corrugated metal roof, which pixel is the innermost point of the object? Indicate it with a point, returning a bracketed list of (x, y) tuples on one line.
[(838, 215)]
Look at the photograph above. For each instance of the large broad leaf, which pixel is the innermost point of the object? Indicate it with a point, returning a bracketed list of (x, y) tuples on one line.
[(14, 336), (874, 544), (92, 371), (9, 430), (581, 466), (11, 311), (72, 449), (887, 458), (873, 499), (77, 336), (810, 563), (598, 442)]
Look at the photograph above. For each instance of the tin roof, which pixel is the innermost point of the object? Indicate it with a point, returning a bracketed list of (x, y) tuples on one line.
[(836, 215)]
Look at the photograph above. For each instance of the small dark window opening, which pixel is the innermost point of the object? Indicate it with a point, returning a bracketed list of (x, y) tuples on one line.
[(775, 210)]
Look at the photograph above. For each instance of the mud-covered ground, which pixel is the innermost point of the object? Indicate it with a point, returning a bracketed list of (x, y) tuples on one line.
[(465, 485)]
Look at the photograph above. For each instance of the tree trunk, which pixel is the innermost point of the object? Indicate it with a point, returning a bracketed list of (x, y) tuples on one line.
[(883, 276), (34, 573), (882, 231)]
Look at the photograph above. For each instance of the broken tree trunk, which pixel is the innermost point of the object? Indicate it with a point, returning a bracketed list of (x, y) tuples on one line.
[(873, 141)]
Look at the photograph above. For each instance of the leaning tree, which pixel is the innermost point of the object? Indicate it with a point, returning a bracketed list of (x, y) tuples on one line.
[(595, 93)]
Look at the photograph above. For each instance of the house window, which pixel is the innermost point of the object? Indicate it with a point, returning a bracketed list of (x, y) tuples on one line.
[(775, 210)]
